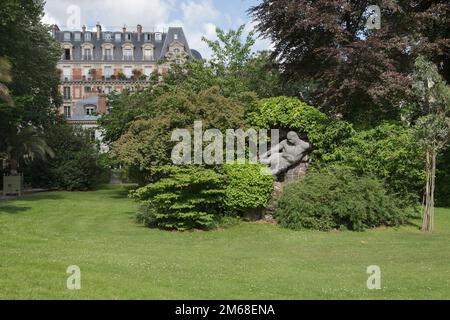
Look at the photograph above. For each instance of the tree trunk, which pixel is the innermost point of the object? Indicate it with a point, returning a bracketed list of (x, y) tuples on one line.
[(428, 213)]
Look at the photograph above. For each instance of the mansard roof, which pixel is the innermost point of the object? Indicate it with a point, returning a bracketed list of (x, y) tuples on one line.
[(160, 47)]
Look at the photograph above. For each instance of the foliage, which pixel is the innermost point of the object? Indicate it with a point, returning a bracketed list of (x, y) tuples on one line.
[(76, 165), (246, 187), (186, 198), (336, 198), (442, 179), (432, 128), (286, 113), (32, 55), (147, 141), (388, 152), (360, 73), (26, 144)]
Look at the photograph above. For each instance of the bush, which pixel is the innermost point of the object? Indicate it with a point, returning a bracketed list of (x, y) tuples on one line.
[(442, 180), (246, 187), (388, 152), (185, 198), (336, 198), (324, 133), (77, 164)]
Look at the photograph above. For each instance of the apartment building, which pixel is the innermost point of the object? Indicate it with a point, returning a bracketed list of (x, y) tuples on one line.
[(95, 63)]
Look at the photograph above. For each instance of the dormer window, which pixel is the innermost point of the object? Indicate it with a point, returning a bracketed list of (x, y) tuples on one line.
[(128, 36), (118, 37), (107, 36), (148, 37), (77, 36), (158, 36), (175, 36), (67, 36), (176, 51), (87, 36)]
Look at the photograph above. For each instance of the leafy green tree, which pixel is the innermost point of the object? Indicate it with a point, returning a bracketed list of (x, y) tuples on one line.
[(5, 77), (32, 53), (146, 144), (26, 144), (432, 128)]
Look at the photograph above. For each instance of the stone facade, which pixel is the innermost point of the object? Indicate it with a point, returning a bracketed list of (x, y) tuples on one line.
[(94, 64)]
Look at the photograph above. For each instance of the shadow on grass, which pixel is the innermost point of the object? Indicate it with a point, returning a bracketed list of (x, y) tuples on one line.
[(121, 192), (11, 209)]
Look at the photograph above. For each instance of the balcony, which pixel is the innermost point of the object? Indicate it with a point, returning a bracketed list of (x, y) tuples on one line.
[(107, 57), (128, 58), (86, 57)]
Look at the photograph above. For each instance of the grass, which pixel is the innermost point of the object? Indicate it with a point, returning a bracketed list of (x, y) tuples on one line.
[(41, 235)]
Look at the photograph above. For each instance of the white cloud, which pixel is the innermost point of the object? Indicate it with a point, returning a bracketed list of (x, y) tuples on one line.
[(112, 14), (197, 17)]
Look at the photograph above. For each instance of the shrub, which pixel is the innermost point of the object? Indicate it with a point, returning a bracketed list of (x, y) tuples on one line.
[(246, 187), (388, 152), (288, 113), (185, 198), (77, 164), (336, 198)]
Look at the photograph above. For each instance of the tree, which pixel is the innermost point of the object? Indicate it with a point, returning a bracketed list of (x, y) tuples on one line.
[(432, 128), (26, 144), (32, 54), (5, 77), (345, 67), (229, 58)]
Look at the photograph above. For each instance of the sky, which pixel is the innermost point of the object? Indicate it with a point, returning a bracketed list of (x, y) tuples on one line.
[(197, 17)]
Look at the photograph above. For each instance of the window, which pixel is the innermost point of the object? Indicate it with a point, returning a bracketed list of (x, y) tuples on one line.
[(77, 36), (148, 71), (118, 37), (87, 89), (66, 93), (175, 36), (108, 90), (86, 74), (90, 110), (67, 73), (127, 54), (148, 54), (108, 72), (87, 54), (107, 36), (108, 54), (178, 61), (176, 51), (128, 36), (128, 71), (148, 37), (87, 36), (158, 37), (66, 36), (67, 112), (66, 54)]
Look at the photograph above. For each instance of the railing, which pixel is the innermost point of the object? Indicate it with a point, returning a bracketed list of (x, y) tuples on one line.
[(86, 57), (107, 57), (127, 58)]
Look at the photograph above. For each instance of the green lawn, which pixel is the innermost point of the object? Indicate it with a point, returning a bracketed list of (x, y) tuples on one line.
[(40, 236)]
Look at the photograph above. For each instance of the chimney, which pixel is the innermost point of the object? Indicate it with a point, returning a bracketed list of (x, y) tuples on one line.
[(124, 29), (102, 103), (83, 28), (99, 30), (139, 31), (55, 28)]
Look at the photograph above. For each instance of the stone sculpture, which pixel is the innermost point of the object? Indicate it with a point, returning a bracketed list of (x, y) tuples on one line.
[(286, 154)]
